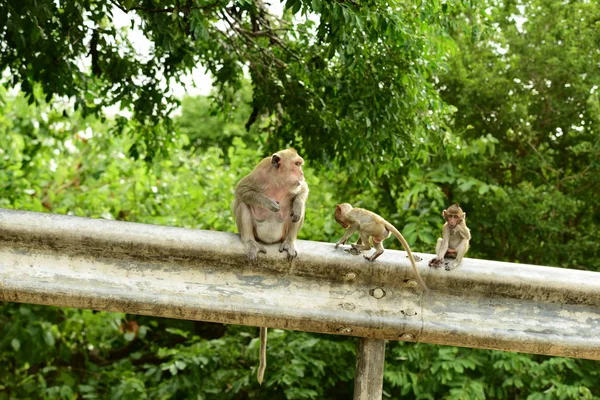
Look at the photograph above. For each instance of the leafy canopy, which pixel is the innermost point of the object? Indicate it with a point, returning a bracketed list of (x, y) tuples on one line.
[(322, 73)]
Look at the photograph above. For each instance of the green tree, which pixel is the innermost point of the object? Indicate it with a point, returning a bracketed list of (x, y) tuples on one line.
[(528, 107), (206, 125), (321, 74)]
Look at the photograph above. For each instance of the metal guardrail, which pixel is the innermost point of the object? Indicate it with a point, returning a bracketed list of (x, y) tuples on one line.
[(204, 275)]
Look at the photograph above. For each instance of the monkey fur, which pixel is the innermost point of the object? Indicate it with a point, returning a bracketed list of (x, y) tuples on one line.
[(269, 207), (371, 228), (454, 242)]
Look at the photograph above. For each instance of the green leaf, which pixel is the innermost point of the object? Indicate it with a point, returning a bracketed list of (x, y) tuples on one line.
[(86, 388), (316, 5), (49, 338), (296, 7), (466, 186), (178, 332)]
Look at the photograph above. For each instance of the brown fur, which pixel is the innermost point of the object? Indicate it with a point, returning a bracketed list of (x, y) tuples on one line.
[(372, 229), (269, 208), (454, 242)]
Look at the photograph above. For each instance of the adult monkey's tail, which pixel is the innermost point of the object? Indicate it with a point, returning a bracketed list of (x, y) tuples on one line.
[(262, 364)]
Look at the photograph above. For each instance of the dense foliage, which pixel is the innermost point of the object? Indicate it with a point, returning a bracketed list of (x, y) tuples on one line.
[(532, 91), (320, 72), (358, 98)]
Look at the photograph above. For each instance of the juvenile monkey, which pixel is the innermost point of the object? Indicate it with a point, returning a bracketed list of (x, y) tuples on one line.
[(269, 208), (454, 242), (371, 227)]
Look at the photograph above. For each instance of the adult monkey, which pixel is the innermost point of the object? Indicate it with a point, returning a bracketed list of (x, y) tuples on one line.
[(269, 208), (454, 242)]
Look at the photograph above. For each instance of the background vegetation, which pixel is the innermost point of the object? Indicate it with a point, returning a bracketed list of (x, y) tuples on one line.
[(401, 107)]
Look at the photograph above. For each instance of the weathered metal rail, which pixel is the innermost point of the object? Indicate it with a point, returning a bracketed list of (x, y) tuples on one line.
[(204, 275)]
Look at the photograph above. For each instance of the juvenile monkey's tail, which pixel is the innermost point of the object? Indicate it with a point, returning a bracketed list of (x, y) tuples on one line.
[(262, 363), (397, 233)]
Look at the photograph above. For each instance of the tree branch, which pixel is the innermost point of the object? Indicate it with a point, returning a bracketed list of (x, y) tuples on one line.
[(163, 10)]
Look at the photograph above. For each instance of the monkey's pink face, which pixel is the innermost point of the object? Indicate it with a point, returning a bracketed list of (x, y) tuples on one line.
[(296, 172), (288, 166), (453, 220)]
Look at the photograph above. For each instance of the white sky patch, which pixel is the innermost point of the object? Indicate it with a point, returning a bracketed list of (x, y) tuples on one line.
[(144, 47), (519, 22), (519, 19), (53, 165), (498, 48), (115, 109), (577, 128), (70, 146), (87, 134), (197, 82)]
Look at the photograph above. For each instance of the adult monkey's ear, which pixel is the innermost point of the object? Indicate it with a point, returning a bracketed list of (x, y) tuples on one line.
[(275, 160)]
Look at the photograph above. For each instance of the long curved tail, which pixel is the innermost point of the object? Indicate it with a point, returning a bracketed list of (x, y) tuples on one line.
[(397, 233), (262, 364)]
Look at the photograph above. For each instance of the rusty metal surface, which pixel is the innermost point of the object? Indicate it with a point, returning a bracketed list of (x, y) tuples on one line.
[(203, 275)]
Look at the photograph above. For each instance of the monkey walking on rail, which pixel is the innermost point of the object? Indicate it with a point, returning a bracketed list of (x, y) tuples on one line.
[(372, 229)]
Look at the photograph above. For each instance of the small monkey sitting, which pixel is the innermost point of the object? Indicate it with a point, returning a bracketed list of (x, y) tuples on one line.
[(454, 242), (372, 229)]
